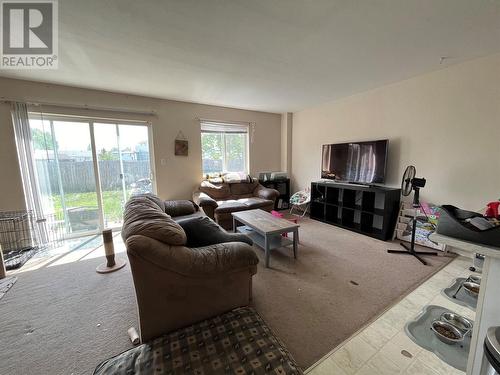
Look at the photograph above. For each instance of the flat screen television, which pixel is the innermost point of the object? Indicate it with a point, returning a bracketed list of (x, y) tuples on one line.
[(359, 162)]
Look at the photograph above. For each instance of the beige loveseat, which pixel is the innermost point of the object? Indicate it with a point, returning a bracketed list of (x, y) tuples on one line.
[(176, 285), (219, 200)]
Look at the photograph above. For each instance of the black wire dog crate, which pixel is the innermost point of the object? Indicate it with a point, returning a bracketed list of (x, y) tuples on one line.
[(18, 237), (22, 235)]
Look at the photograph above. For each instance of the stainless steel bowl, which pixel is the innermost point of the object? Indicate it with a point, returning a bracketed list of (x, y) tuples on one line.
[(468, 285), (459, 334), (458, 321), (475, 279)]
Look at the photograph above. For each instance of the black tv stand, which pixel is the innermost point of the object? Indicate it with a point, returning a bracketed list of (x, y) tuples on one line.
[(370, 210)]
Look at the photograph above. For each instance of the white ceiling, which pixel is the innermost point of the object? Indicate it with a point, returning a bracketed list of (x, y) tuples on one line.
[(270, 55)]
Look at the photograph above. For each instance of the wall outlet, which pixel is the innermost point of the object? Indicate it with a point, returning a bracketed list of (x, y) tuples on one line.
[(163, 161)]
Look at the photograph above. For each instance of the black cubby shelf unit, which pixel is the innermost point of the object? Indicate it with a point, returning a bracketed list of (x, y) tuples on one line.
[(370, 210), (283, 187)]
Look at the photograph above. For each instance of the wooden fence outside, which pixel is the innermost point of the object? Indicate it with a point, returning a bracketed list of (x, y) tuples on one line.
[(78, 176)]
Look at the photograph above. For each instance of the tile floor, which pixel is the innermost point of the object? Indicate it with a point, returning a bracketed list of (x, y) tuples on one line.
[(378, 348)]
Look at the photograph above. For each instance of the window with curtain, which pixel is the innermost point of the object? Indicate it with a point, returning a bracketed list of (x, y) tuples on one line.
[(224, 148)]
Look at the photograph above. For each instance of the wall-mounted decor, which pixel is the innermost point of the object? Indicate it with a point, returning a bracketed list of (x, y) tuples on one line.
[(181, 145)]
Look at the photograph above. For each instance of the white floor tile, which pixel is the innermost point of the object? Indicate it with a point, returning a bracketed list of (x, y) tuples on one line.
[(327, 367), (431, 360), (373, 337), (401, 350), (379, 364), (418, 367), (353, 355), (398, 316)]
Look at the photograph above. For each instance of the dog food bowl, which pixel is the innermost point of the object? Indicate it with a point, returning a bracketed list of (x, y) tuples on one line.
[(446, 332), (475, 279), (458, 321), (471, 288)]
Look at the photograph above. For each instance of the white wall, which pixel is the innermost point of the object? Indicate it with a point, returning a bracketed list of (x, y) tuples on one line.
[(446, 123), (180, 175)]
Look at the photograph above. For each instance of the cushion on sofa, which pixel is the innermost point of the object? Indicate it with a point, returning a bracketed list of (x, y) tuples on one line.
[(230, 206), (180, 207), (216, 191), (244, 188), (255, 202), (198, 213), (143, 216), (202, 231)]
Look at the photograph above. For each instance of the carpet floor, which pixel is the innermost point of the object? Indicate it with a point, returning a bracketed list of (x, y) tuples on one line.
[(64, 318), (340, 282)]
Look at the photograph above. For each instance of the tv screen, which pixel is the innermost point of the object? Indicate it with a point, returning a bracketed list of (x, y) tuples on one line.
[(362, 162)]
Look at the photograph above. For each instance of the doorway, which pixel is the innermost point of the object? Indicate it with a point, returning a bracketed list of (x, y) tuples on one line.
[(88, 168)]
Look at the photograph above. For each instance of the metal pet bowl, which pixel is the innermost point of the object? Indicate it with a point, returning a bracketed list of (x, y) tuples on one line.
[(458, 321), (468, 285), (475, 279), (437, 324)]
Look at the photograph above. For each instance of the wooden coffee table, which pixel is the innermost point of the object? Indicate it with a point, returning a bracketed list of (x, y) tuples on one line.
[(266, 230)]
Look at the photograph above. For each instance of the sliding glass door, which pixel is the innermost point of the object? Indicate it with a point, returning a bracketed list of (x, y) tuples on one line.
[(88, 169), (124, 166)]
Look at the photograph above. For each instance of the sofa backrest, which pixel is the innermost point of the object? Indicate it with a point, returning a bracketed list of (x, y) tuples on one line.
[(223, 191), (144, 215), (243, 189), (217, 191)]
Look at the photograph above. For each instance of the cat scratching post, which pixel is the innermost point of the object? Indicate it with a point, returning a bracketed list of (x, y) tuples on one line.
[(111, 264), (134, 336)]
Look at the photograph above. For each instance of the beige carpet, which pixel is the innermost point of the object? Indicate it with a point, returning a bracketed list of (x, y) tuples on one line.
[(340, 281), (66, 318)]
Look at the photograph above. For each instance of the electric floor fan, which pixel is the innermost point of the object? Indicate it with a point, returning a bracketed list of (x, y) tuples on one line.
[(411, 183)]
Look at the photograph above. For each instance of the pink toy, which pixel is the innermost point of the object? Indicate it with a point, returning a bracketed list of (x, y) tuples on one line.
[(281, 216)]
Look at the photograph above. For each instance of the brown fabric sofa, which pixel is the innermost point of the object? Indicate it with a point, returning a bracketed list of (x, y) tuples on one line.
[(176, 285), (219, 200)]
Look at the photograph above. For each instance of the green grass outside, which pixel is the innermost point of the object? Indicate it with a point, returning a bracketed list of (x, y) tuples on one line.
[(112, 201)]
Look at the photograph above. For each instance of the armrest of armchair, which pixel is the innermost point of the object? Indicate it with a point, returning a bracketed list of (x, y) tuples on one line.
[(207, 203), (266, 193), (199, 262)]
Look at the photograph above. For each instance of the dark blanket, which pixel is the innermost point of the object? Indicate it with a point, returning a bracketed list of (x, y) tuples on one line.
[(202, 231), (237, 342)]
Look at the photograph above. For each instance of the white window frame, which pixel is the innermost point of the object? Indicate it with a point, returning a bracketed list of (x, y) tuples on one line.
[(215, 127)]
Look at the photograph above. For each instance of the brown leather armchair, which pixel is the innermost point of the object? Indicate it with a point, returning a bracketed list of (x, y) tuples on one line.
[(219, 200), (176, 285)]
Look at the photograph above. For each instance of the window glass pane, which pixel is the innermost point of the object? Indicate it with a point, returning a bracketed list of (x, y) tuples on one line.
[(76, 173), (124, 166), (46, 167), (212, 153), (106, 145), (235, 152), (134, 145)]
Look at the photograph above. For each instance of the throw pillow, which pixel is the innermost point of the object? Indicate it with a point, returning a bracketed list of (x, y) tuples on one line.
[(202, 231), (180, 207)]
